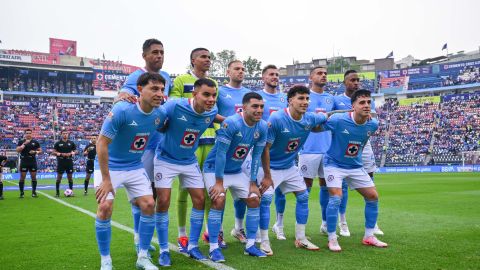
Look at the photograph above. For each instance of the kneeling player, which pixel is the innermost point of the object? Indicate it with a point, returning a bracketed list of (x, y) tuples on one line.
[(350, 132)]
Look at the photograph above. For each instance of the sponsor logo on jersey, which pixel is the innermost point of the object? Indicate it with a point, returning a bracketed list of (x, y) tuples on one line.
[(133, 123)]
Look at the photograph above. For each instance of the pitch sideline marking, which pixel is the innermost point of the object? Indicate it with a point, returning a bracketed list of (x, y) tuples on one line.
[(172, 247)]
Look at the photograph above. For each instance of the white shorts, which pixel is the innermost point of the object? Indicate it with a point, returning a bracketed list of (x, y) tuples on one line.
[(288, 180), (136, 182), (238, 184), (190, 175), (368, 158), (246, 169), (147, 160), (356, 178), (311, 165)]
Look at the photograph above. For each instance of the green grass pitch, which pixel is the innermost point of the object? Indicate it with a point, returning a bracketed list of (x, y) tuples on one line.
[(431, 221)]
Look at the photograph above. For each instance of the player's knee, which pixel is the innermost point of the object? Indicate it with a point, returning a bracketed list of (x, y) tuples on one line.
[(373, 196), (253, 202), (218, 203), (105, 210), (163, 203), (147, 203), (198, 201)]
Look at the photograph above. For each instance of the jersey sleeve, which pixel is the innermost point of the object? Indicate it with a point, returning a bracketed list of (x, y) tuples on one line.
[(20, 142), (56, 146), (257, 151), (168, 83), (331, 123), (273, 126), (319, 118), (38, 145), (74, 147), (177, 88), (130, 85), (114, 121), (224, 138)]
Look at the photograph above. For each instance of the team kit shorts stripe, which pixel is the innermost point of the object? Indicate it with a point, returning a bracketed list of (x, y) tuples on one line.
[(136, 182)]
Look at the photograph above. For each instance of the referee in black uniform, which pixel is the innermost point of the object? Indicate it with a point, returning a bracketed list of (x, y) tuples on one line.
[(28, 148), (65, 150), (89, 152), (3, 161)]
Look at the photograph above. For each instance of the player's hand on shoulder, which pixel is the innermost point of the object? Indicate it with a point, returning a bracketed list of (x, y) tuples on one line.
[(123, 96)]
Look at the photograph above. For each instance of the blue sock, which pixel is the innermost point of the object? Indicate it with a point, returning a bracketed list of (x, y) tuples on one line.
[(251, 224), (343, 204), (145, 230), (332, 213), (280, 201), (196, 222), (265, 202), (161, 223), (240, 208), (103, 230), (309, 189), (136, 217), (324, 195), (301, 210), (214, 224), (371, 213)]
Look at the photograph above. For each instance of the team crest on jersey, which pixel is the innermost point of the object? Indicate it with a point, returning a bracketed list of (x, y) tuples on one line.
[(307, 127), (352, 149), (292, 145), (207, 120), (269, 124), (157, 121), (256, 135), (328, 101), (139, 143), (110, 115), (189, 138), (282, 99), (240, 152), (224, 125)]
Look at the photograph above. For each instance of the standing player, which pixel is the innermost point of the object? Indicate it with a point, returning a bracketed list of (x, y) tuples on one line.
[(28, 148), (3, 161), (288, 131), (183, 87), (187, 121), (89, 152), (124, 135), (223, 170), (65, 150), (350, 133)]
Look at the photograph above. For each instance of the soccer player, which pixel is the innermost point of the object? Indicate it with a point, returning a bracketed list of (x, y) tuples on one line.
[(350, 132), (343, 102), (187, 121), (3, 161), (123, 138), (223, 170), (153, 54), (89, 152), (28, 148), (65, 150), (288, 131), (183, 87)]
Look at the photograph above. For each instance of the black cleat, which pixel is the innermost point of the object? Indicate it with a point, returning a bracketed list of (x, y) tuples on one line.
[(1, 198), (57, 195), (22, 195), (34, 195), (85, 193)]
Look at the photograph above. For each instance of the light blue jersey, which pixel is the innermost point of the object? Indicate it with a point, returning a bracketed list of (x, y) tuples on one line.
[(348, 140), (129, 128), (229, 101), (318, 142), (185, 126), (234, 140), (273, 103), (343, 102), (287, 136)]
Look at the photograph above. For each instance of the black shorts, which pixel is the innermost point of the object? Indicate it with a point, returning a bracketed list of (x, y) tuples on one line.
[(90, 167), (65, 165), (28, 166)]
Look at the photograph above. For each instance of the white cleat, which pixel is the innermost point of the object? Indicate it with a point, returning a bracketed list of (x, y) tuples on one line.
[(377, 230), (344, 229), (145, 263), (323, 229), (304, 243), (334, 246), (373, 241), (278, 230), (106, 265), (239, 235), (265, 247)]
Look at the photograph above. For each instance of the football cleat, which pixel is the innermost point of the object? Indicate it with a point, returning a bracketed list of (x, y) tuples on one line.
[(265, 247), (217, 256), (164, 259), (278, 230), (377, 230), (254, 251), (205, 237), (344, 229), (373, 241), (34, 195), (304, 243), (106, 265), (196, 254), (145, 263), (323, 228), (334, 246), (240, 235), (22, 195), (1, 197), (221, 241), (182, 244)]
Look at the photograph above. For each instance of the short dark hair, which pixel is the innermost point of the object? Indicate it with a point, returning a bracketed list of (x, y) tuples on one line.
[(360, 93), (297, 89), (149, 42), (251, 95), (194, 51), (267, 67), (204, 81), (233, 61), (348, 72), (147, 77), (64, 131), (316, 67), (28, 130)]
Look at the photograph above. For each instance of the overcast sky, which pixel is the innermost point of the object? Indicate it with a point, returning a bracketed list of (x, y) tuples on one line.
[(273, 31)]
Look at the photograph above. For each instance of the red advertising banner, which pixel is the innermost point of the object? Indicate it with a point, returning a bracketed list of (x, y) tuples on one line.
[(63, 47), (37, 57)]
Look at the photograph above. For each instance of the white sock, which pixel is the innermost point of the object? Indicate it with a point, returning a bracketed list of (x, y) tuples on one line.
[(279, 219), (106, 258), (136, 238), (142, 253), (190, 246), (299, 231), (258, 235), (182, 231), (250, 242), (332, 236), (324, 223), (238, 224), (369, 232), (264, 235), (213, 246), (164, 250), (343, 218)]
